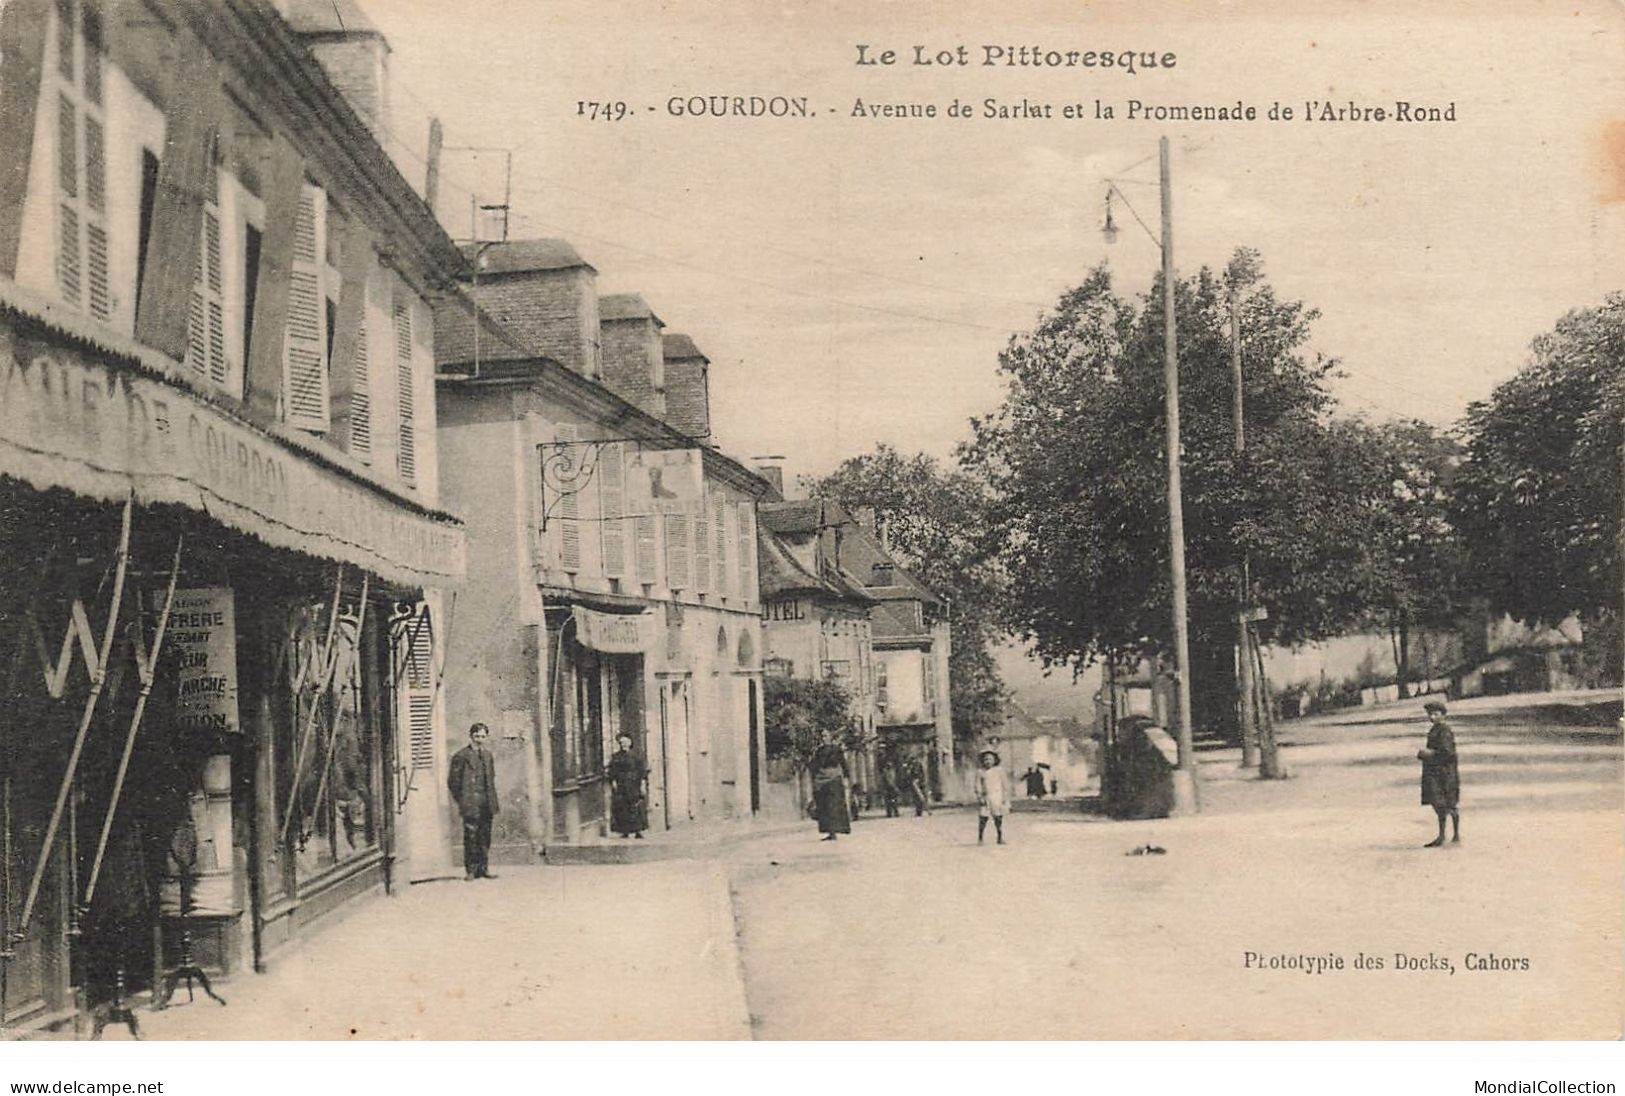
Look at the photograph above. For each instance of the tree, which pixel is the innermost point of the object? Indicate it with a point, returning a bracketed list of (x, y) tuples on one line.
[(935, 523), (1074, 464), (801, 715), (1412, 559), (1537, 498)]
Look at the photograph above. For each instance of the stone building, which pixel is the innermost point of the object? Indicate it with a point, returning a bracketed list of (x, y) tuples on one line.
[(615, 554), (218, 468)]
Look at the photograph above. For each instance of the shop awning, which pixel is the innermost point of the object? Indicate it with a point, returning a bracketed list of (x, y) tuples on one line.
[(89, 411)]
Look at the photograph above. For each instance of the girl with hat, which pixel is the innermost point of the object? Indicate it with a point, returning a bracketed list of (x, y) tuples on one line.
[(1441, 779), (992, 795)]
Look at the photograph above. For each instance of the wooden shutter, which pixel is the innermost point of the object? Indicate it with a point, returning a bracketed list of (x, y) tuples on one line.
[(304, 355), (361, 395), (568, 510), (406, 453), (702, 546), (97, 276), (612, 505), (719, 526), (68, 264), (677, 552), (747, 551), (420, 691), (206, 315), (644, 530)]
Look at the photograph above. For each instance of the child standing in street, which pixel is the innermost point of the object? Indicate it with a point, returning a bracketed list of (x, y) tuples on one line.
[(992, 796), (1441, 777)]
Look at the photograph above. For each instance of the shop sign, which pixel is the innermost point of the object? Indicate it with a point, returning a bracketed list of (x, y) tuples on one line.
[(665, 481), (203, 633), (615, 633), (68, 420)]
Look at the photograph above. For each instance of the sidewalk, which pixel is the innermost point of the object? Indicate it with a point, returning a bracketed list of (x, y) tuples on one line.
[(640, 952)]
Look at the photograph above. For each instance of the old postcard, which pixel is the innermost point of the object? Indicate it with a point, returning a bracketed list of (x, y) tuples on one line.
[(717, 521)]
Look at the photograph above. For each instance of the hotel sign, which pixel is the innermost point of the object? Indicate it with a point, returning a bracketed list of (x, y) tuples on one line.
[(70, 421)]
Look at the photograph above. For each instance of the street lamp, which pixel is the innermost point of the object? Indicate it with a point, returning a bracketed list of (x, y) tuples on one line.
[(1185, 797)]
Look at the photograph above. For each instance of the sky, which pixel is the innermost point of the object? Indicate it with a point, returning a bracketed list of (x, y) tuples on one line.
[(853, 279)]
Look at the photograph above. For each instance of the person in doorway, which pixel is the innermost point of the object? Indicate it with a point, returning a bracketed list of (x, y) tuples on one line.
[(1441, 778), (473, 785), (829, 791), (914, 778), (628, 784), (888, 786), (992, 796)]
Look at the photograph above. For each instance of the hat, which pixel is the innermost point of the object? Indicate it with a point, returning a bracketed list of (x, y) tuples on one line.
[(1435, 706), (994, 754)]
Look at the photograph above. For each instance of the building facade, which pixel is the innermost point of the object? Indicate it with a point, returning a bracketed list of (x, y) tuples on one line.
[(616, 555), (218, 478)]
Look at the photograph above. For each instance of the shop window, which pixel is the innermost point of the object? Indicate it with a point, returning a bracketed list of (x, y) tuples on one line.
[(325, 746)]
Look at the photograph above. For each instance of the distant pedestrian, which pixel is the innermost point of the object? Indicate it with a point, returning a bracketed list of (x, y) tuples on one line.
[(1441, 778), (915, 779), (830, 804), (857, 800), (992, 796), (1035, 782), (628, 781), (473, 785), (888, 786)]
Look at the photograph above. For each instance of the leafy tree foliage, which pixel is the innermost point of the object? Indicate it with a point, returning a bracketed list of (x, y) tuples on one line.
[(1075, 465), (1538, 494), (937, 524), (801, 715)]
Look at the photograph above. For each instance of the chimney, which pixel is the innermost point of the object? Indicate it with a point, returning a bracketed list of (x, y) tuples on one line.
[(773, 473), (546, 295), (351, 50), (634, 359), (688, 391)]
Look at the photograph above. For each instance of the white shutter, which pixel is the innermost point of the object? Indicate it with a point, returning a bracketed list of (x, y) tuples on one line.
[(361, 395), (612, 505), (719, 526), (567, 513), (677, 552), (406, 454), (702, 546), (206, 315), (747, 551), (420, 692), (646, 533), (304, 356)]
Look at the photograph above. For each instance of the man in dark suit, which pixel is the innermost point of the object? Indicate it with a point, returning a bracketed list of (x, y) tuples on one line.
[(473, 784)]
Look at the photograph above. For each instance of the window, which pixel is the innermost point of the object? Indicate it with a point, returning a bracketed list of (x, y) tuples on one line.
[(206, 310), (881, 697), (612, 505), (83, 246), (778, 667), (149, 196)]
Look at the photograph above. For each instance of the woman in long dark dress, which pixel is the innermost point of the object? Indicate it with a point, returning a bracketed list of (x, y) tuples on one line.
[(1441, 777), (628, 808), (829, 791)]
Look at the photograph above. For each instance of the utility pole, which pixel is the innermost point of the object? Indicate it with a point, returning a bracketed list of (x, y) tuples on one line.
[(1244, 649), (1185, 795)]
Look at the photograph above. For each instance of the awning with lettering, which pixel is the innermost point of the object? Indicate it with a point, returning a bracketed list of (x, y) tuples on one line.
[(87, 410), (615, 633)]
